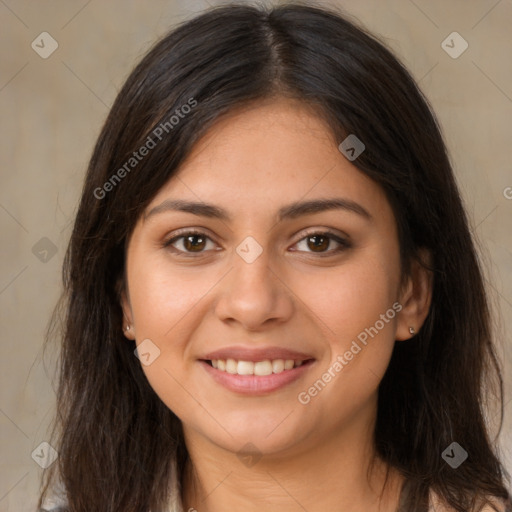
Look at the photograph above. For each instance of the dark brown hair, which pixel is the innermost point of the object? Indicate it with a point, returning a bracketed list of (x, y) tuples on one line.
[(115, 437)]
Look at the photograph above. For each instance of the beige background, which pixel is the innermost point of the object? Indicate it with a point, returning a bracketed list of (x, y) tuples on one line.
[(52, 111)]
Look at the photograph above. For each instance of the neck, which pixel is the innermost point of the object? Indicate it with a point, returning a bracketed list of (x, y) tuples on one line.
[(331, 472)]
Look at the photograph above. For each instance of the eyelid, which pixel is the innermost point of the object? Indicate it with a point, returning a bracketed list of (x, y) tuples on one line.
[(182, 233), (188, 231), (343, 241), (336, 234)]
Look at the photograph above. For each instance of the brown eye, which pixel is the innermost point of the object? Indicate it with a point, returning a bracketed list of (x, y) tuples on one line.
[(318, 243), (190, 243), (321, 243), (194, 243)]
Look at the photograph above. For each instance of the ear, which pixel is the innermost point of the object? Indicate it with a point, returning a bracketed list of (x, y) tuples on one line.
[(415, 296), (124, 299)]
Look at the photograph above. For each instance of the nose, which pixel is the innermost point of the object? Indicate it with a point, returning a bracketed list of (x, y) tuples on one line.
[(254, 295)]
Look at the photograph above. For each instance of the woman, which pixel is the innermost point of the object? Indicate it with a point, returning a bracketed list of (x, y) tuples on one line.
[(273, 298)]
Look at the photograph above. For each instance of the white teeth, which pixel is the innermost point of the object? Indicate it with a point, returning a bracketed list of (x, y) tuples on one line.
[(231, 366), (245, 368), (277, 365), (260, 368)]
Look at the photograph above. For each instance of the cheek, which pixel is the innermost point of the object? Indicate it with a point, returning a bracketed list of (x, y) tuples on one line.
[(355, 303), (165, 305), (358, 310), (163, 298), (352, 297)]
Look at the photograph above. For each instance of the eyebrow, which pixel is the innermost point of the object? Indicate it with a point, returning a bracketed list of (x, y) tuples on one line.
[(290, 211)]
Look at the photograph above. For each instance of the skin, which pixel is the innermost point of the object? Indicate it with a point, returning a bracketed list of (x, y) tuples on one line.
[(314, 456)]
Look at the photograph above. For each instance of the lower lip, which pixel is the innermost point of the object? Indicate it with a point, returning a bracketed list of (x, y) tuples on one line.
[(256, 384)]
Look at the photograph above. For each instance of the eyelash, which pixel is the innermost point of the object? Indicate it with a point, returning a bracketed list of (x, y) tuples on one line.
[(343, 244)]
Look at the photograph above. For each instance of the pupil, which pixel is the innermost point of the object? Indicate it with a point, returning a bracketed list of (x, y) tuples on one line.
[(323, 244), (189, 244)]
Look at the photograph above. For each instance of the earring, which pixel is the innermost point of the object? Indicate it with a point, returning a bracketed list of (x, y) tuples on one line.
[(412, 331), (127, 328)]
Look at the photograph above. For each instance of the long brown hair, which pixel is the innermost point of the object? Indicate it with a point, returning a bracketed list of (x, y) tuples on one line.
[(116, 439)]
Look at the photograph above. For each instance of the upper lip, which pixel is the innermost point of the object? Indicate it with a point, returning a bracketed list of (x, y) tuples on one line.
[(241, 353)]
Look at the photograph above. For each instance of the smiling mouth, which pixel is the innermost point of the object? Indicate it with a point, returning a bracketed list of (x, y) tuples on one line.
[(256, 368)]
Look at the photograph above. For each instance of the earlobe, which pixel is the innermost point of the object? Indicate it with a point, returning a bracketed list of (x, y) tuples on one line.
[(129, 333), (127, 326), (416, 297)]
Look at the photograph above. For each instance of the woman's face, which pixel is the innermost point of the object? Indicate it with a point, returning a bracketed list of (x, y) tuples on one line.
[(261, 285)]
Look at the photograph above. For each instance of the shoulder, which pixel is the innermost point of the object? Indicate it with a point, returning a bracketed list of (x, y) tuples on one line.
[(498, 505), (52, 506), (55, 500)]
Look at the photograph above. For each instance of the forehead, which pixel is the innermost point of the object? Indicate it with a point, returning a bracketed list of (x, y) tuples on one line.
[(265, 155), (266, 134)]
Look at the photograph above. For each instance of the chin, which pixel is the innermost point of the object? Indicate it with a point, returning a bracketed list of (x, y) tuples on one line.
[(253, 432)]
